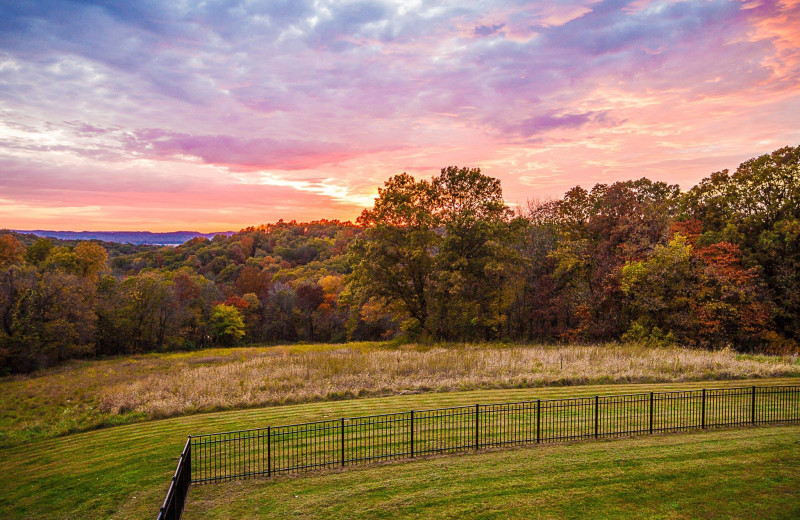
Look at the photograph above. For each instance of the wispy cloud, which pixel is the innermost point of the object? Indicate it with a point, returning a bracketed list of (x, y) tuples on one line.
[(290, 108)]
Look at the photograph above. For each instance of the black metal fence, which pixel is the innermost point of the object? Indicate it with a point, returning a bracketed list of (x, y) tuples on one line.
[(179, 487), (347, 441)]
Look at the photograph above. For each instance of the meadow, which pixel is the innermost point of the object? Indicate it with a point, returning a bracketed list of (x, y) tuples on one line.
[(85, 395), (123, 472)]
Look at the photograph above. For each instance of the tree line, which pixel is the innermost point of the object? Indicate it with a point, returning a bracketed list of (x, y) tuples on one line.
[(440, 259)]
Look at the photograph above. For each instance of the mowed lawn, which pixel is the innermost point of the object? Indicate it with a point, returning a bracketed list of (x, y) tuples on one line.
[(124, 471), (85, 395), (745, 473)]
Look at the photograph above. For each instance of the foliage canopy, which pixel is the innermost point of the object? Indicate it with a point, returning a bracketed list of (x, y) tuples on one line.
[(445, 258)]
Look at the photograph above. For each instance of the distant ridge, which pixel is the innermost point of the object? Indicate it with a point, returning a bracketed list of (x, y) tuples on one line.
[(127, 237)]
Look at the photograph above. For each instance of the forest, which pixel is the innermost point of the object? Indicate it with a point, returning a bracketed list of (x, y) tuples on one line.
[(444, 259)]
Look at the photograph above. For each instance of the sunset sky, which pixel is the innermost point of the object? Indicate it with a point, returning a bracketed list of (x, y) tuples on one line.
[(221, 114)]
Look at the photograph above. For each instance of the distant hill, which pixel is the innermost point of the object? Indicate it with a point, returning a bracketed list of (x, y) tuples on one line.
[(127, 237)]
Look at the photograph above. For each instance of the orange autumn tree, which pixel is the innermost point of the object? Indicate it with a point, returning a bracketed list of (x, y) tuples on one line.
[(695, 296)]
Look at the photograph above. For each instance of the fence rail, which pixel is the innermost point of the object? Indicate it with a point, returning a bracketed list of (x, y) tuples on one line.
[(302, 447), (179, 487)]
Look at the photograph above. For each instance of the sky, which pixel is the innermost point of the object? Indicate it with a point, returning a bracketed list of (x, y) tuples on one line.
[(221, 114)]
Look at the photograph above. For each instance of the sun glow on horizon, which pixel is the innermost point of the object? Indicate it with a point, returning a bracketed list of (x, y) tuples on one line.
[(302, 111)]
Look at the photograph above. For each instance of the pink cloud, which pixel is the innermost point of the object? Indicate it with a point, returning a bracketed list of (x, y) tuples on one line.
[(207, 115), (238, 153)]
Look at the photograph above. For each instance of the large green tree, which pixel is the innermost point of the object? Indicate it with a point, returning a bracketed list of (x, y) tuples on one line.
[(395, 257), (227, 324), (477, 258), (438, 252)]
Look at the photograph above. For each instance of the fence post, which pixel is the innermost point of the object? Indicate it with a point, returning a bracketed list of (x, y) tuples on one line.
[(477, 425), (189, 462), (538, 420), (596, 413), (412, 433), (753, 407), (342, 428), (187, 478), (269, 451), (189, 458), (703, 411), (651, 412)]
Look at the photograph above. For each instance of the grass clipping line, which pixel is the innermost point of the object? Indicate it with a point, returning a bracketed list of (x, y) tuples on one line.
[(281, 377)]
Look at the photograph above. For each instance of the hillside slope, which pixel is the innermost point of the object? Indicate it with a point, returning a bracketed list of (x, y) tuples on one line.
[(124, 472)]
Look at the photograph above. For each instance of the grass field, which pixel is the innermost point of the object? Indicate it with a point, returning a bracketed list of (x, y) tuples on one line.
[(751, 473), (123, 472), (85, 395)]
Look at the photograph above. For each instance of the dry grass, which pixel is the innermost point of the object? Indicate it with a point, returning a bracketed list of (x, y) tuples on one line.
[(84, 395), (286, 375), (66, 399)]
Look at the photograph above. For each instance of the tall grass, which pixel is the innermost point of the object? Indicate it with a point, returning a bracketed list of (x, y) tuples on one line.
[(280, 376), (83, 395)]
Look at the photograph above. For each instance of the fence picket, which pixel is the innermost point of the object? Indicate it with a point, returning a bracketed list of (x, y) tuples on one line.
[(297, 447)]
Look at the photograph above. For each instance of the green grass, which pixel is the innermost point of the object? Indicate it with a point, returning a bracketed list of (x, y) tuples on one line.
[(124, 471), (86, 395), (751, 473)]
